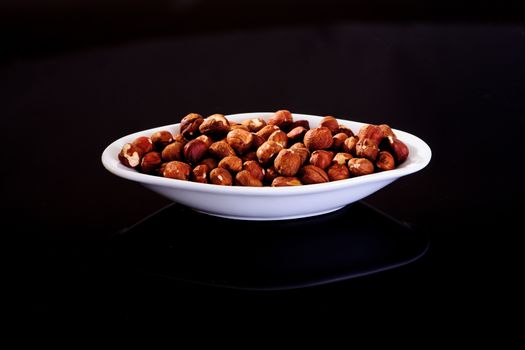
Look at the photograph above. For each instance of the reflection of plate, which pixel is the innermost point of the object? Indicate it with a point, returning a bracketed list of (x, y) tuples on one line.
[(250, 203)]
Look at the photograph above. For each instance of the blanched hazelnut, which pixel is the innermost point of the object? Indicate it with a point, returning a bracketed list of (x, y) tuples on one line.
[(254, 124), (318, 138), (143, 143), (330, 123), (240, 140), (282, 181), (173, 151), (200, 174), (283, 119), (268, 151), (280, 137), (385, 161), (161, 139), (245, 178), (221, 176), (310, 174), (130, 155), (177, 170), (255, 169), (360, 166), (189, 125), (287, 162), (231, 163), (195, 150), (215, 125), (266, 131), (221, 149), (321, 158), (150, 162), (338, 172)]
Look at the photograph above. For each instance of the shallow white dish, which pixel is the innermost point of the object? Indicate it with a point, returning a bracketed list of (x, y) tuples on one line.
[(269, 203)]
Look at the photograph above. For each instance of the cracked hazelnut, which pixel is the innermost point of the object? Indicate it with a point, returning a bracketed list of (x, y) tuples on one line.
[(130, 155), (231, 163), (283, 119), (301, 150), (342, 158), (287, 162), (143, 143), (297, 134), (268, 151), (221, 149), (255, 169), (173, 151), (280, 137), (282, 181), (245, 178), (266, 131), (177, 170), (195, 150), (221, 176), (189, 125), (330, 123), (200, 174), (339, 140), (385, 161), (338, 172), (150, 162), (360, 166), (321, 159), (215, 125), (240, 140), (254, 124), (349, 145), (270, 174), (310, 174), (161, 139), (318, 138)]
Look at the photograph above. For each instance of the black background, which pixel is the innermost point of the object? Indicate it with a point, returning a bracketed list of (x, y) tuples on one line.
[(76, 77)]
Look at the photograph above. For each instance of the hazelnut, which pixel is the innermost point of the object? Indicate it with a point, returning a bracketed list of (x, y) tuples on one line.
[(321, 159), (387, 131), (240, 140), (215, 125), (130, 155), (287, 162), (160, 169), (221, 176), (189, 125), (255, 169), (268, 151), (338, 172), (150, 162), (200, 174), (280, 137), (367, 148), (297, 134), (266, 131), (385, 161), (342, 158), (177, 170), (254, 124), (238, 126), (330, 123), (270, 174), (349, 144), (282, 181), (283, 119), (231, 163), (245, 178), (310, 174), (345, 130), (372, 132), (301, 150), (249, 156), (173, 151), (211, 163), (143, 143), (304, 123), (257, 141), (195, 150), (161, 139), (339, 140), (207, 140), (318, 138), (360, 166), (221, 149), (400, 150), (180, 138)]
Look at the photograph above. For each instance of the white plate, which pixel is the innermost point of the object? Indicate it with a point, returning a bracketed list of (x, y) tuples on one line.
[(269, 203)]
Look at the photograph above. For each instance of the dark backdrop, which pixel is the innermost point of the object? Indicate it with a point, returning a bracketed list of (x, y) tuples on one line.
[(76, 77)]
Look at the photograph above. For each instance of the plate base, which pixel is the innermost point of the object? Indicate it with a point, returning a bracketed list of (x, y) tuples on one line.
[(273, 218)]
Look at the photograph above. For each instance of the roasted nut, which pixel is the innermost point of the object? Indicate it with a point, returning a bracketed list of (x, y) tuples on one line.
[(297, 134), (283, 119), (321, 159), (130, 155), (207, 140), (268, 151), (270, 174), (266, 131), (221, 176), (339, 140), (338, 172), (345, 130), (257, 141), (360, 166), (342, 158), (177, 170), (221, 149), (189, 125), (231, 163), (280, 137), (387, 131), (240, 140), (330, 123), (173, 151), (195, 150), (180, 138), (372, 132), (143, 143), (400, 150), (349, 145), (310, 174), (245, 178), (255, 169), (318, 138), (282, 181), (160, 169), (238, 126), (200, 174), (249, 156), (367, 148), (254, 124), (211, 163), (161, 139), (215, 125), (301, 150), (150, 162), (304, 123), (385, 161), (287, 162)]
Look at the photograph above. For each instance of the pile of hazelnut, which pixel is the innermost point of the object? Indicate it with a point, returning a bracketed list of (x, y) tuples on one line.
[(280, 152)]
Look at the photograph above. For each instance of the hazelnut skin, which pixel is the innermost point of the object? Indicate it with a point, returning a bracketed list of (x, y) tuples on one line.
[(161, 139), (330, 123), (283, 119), (400, 150), (195, 150), (177, 170), (150, 162), (221, 149), (297, 134), (321, 159), (221, 176), (360, 166), (318, 138), (130, 155), (282, 181), (338, 172), (189, 125), (245, 178), (173, 151), (287, 162), (367, 148), (240, 140), (143, 143), (231, 163), (385, 161), (310, 174), (268, 151)]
